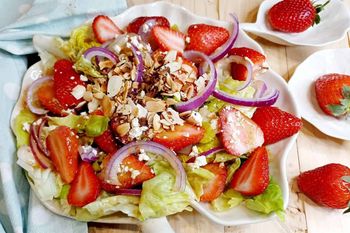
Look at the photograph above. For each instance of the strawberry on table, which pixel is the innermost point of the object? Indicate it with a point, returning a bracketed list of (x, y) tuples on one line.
[(206, 38), (104, 28), (239, 71), (333, 94), (294, 15), (135, 25), (252, 178), (239, 134), (276, 123), (66, 83), (46, 97), (183, 136), (327, 185), (62, 144), (216, 186), (85, 188), (168, 39)]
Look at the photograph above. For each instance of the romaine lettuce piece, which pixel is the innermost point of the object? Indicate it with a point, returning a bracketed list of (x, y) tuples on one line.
[(25, 117), (270, 200), (227, 200), (96, 125)]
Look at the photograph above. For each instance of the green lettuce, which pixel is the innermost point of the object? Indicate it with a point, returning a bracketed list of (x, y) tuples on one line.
[(109, 205), (158, 197), (232, 169), (270, 200), (198, 178), (81, 39), (93, 125), (209, 139), (227, 200), (22, 136), (85, 66)]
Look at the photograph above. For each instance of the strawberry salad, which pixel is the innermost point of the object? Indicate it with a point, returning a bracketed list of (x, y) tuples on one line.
[(145, 119)]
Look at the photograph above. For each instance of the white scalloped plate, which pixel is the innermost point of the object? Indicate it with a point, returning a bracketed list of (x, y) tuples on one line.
[(335, 22), (183, 18), (302, 86)]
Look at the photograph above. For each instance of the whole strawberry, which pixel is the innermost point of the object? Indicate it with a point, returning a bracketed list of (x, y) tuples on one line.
[(327, 185), (333, 94), (276, 124), (294, 15)]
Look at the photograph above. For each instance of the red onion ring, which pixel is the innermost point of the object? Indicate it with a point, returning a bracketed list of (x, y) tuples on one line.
[(206, 153), (104, 45), (139, 65), (117, 158), (130, 192), (41, 158), (41, 143), (260, 88), (224, 49), (32, 101), (200, 98), (266, 100), (100, 52)]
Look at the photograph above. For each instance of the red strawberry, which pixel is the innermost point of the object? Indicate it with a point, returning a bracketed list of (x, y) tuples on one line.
[(182, 136), (252, 178), (46, 97), (238, 71), (333, 94), (239, 134), (135, 25), (327, 185), (294, 15), (168, 39), (106, 142), (276, 124), (206, 38), (143, 171), (85, 188), (65, 80), (62, 144), (216, 186), (104, 28)]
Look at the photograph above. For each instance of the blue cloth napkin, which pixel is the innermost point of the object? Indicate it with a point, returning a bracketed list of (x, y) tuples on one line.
[(20, 210)]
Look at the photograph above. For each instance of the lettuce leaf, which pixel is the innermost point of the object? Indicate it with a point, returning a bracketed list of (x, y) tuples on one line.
[(198, 178), (209, 139), (96, 125), (232, 169), (81, 39), (270, 200), (22, 136), (72, 121), (86, 67), (109, 205), (158, 197), (227, 200)]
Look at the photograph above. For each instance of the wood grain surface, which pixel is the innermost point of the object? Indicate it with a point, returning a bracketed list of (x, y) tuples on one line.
[(312, 149)]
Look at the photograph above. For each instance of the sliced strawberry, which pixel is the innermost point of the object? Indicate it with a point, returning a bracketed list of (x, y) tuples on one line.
[(239, 71), (65, 80), (239, 134), (276, 123), (168, 39), (85, 188), (252, 178), (135, 25), (46, 97), (106, 142), (206, 38), (104, 28), (141, 170), (62, 144), (215, 187), (182, 136)]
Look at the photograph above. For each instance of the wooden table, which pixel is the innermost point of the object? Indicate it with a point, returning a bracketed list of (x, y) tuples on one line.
[(312, 149)]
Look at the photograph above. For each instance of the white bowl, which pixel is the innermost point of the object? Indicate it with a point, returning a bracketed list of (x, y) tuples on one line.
[(302, 86), (183, 18), (335, 22)]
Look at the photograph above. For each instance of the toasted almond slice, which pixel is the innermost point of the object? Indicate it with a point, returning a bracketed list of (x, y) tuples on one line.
[(115, 83), (155, 106), (123, 129)]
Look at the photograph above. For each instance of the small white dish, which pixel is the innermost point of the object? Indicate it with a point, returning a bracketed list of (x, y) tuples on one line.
[(335, 22), (302, 86)]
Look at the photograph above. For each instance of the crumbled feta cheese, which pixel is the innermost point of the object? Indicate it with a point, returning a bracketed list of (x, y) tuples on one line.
[(135, 123), (200, 83), (87, 149), (93, 105), (194, 152), (214, 124), (199, 162), (135, 173), (188, 39), (143, 156), (114, 85), (26, 126), (195, 118), (78, 91), (83, 78)]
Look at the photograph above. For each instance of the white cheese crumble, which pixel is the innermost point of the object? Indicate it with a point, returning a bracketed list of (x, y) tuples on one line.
[(26, 126), (83, 78), (194, 152), (135, 173), (78, 91), (143, 156), (199, 162)]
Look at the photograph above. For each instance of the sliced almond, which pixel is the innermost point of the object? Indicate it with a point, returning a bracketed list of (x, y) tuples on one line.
[(105, 64), (156, 122), (115, 83), (99, 95), (88, 96), (123, 129), (155, 106), (108, 106)]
